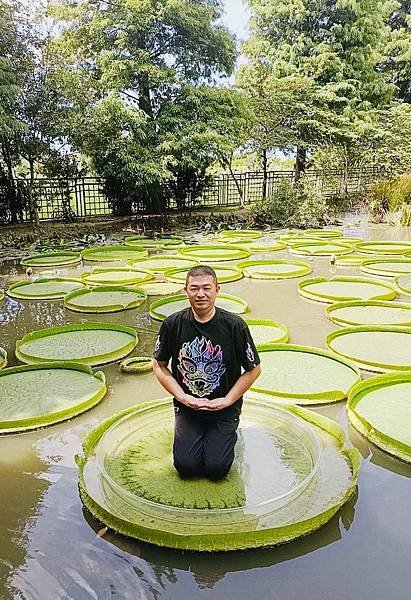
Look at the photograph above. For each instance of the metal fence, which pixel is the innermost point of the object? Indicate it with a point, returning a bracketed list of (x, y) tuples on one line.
[(85, 197)]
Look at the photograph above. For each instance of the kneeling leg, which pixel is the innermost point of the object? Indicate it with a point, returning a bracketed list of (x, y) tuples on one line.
[(188, 444), (219, 442)]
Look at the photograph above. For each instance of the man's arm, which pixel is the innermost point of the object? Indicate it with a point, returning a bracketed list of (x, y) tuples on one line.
[(171, 385), (243, 383)]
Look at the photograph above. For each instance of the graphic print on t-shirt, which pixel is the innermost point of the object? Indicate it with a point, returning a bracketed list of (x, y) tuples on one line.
[(201, 365)]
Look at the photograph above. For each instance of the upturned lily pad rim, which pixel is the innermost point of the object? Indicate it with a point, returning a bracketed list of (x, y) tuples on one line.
[(73, 258), (15, 425), (96, 359), (148, 276), (340, 249), (154, 283), (389, 295), (1, 294), (137, 364), (14, 288), (350, 260), (240, 252), (305, 268), (216, 542), (389, 444), (361, 247), (255, 247), (329, 396), (366, 266), (3, 358), (357, 303), (160, 243), (68, 299), (88, 253), (400, 284), (233, 274), (367, 364), (270, 323), (251, 234), (298, 423), (178, 297), (326, 233)]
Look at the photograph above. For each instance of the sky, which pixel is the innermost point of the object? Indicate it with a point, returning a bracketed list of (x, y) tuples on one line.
[(236, 17)]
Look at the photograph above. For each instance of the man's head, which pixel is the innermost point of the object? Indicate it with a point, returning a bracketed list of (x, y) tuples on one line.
[(202, 289)]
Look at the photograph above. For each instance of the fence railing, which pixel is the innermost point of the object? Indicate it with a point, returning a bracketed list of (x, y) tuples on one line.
[(85, 197)]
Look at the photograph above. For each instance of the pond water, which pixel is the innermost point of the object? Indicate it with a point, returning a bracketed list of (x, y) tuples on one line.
[(52, 548)]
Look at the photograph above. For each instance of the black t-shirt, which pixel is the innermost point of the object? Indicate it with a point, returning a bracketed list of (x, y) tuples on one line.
[(206, 358)]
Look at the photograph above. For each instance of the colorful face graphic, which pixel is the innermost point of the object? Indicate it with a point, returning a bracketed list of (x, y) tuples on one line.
[(201, 365)]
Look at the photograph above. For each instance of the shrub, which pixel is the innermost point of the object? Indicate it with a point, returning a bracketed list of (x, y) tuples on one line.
[(390, 200)]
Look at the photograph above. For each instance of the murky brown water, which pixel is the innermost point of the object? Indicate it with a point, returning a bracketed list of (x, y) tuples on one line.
[(49, 547)]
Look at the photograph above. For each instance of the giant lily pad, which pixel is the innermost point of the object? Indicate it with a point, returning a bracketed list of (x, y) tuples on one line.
[(33, 396), (161, 288), (350, 260), (304, 375), (168, 306), (369, 312), (121, 276), (274, 269), (346, 288), (380, 409), (103, 299), (1, 294), (387, 266), (160, 264), (323, 233), (3, 358), (113, 253), (392, 248), (265, 331), (52, 259), (321, 248), (245, 234), (374, 348), (86, 343), (224, 274), (213, 253), (157, 243), (44, 288), (404, 283), (280, 486), (258, 246)]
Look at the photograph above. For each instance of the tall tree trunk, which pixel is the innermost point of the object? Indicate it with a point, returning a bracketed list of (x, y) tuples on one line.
[(12, 193), (34, 215), (300, 163), (229, 165), (265, 174), (144, 101)]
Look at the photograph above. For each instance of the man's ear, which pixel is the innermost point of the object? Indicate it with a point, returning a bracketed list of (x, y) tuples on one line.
[(218, 289)]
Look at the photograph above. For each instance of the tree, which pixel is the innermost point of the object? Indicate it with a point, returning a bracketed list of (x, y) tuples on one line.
[(330, 48), (397, 59), (125, 63)]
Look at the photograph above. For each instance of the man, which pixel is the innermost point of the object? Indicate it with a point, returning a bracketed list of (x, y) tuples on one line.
[(209, 348)]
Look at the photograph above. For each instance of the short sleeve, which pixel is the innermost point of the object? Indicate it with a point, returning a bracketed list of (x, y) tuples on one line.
[(162, 347), (249, 354)]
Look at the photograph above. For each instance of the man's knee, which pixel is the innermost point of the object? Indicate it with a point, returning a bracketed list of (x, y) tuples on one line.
[(188, 467), (216, 470)]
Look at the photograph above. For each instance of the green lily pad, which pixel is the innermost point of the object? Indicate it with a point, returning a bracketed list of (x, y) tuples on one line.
[(369, 312), (249, 234), (122, 276), (265, 331), (224, 274), (44, 288), (33, 396), (387, 267), (160, 264), (51, 259), (376, 247), (258, 246), (403, 283), (304, 375), (274, 269), (168, 306), (350, 260), (321, 248), (161, 288), (213, 253), (103, 299), (279, 488), (157, 243), (380, 409), (86, 343), (374, 347), (323, 233), (113, 253), (346, 288), (137, 365)]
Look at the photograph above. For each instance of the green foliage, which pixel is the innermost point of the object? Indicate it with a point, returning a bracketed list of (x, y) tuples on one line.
[(390, 199), (292, 205)]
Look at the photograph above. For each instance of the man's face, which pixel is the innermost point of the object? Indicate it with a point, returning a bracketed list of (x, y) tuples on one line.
[(202, 291)]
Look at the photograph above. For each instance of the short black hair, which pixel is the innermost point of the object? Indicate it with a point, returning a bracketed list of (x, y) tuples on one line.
[(199, 270)]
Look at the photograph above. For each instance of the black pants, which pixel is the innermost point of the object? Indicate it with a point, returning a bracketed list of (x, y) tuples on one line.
[(204, 447)]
